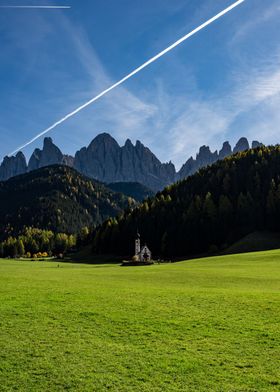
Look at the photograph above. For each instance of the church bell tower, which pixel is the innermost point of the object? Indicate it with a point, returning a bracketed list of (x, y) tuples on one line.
[(137, 244)]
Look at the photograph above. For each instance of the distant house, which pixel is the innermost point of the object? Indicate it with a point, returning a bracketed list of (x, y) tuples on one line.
[(142, 254)]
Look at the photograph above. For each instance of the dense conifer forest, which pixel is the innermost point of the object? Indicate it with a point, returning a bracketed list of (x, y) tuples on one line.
[(206, 212), (56, 198), (137, 191)]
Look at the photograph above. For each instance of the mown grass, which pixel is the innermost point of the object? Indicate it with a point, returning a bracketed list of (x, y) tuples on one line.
[(202, 325)]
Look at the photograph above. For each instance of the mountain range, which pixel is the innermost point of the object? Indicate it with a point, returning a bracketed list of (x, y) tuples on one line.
[(106, 161)]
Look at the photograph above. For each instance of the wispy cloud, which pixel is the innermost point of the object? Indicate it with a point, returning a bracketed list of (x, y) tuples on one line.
[(248, 26), (173, 122), (124, 113), (265, 123), (262, 84), (131, 74), (197, 120)]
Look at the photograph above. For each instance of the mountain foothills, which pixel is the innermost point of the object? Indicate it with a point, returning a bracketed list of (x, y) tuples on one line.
[(206, 212), (106, 161), (135, 190), (56, 198)]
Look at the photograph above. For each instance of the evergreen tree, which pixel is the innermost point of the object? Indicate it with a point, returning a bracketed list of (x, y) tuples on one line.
[(20, 248)]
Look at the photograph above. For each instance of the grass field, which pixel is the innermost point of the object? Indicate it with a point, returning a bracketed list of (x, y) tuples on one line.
[(203, 325)]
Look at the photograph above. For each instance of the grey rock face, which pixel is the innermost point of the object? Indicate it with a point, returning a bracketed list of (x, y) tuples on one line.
[(225, 151), (241, 145), (34, 161), (106, 161), (68, 160), (50, 155), (204, 158), (100, 160), (256, 144), (13, 166), (187, 169)]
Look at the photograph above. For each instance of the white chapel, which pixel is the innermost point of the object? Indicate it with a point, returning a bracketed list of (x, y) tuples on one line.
[(141, 254)]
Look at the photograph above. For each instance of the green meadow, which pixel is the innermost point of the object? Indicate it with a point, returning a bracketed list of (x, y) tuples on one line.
[(211, 324)]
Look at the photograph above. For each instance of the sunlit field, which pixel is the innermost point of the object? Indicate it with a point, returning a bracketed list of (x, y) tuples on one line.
[(203, 325)]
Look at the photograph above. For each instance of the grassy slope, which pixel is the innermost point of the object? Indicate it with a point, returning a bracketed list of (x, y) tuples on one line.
[(203, 325), (255, 242)]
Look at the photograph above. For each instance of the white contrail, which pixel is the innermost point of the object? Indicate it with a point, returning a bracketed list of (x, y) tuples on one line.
[(37, 6), (152, 60)]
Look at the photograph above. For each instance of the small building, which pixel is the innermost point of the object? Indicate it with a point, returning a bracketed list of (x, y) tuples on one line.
[(142, 254)]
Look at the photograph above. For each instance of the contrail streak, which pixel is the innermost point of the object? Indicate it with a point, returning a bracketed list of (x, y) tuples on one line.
[(37, 6), (146, 64)]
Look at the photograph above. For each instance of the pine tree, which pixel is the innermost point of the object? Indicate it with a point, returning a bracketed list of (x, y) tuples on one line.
[(20, 248)]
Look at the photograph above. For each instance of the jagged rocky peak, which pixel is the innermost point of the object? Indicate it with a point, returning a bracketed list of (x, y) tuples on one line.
[(256, 144), (205, 156), (241, 145), (100, 159), (103, 140), (106, 161), (145, 153), (49, 155), (21, 165), (128, 144), (48, 143), (13, 166), (139, 145), (34, 161), (225, 151), (188, 168)]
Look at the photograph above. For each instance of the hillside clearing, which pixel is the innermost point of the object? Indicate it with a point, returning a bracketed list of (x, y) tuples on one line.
[(202, 325)]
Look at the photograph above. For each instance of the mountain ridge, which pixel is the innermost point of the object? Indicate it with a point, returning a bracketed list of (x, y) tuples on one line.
[(106, 161), (57, 198)]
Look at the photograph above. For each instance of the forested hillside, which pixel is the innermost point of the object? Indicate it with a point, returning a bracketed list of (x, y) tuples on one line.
[(135, 190), (56, 198), (206, 212)]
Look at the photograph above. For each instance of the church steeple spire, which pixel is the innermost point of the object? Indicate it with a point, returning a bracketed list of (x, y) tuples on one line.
[(137, 244)]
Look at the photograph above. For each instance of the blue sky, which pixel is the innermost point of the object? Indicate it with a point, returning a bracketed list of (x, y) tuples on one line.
[(222, 84)]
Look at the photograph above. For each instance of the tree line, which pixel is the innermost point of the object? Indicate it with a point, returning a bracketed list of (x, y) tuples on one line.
[(35, 242)]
